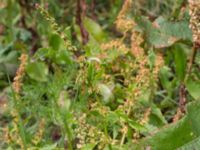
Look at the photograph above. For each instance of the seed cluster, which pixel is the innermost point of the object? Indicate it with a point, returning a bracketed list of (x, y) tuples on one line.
[(123, 23), (20, 73), (87, 133), (194, 6)]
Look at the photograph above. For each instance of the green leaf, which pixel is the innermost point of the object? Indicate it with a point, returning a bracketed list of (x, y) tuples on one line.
[(94, 29), (88, 147), (112, 117), (193, 145), (62, 57), (180, 59), (24, 34), (68, 33), (92, 48), (151, 58), (42, 53), (164, 75), (37, 71), (9, 57), (49, 147), (55, 41), (177, 134), (193, 88), (156, 112), (133, 124), (163, 33)]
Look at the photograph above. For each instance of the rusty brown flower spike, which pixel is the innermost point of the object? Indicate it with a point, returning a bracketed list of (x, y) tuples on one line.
[(194, 10), (17, 84), (122, 23)]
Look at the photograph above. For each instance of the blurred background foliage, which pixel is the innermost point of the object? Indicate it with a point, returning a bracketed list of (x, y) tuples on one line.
[(94, 97)]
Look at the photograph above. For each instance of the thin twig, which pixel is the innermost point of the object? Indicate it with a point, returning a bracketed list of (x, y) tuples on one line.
[(192, 58), (182, 98), (80, 14)]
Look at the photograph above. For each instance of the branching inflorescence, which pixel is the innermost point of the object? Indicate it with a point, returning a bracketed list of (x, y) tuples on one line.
[(56, 28), (194, 10), (17, 84)]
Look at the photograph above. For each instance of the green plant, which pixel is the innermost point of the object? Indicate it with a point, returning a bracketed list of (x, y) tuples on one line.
[(86, 83)]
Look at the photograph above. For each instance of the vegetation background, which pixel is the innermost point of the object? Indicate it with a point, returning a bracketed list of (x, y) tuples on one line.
[(100, 74)]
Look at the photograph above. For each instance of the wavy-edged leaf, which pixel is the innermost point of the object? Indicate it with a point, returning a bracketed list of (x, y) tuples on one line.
[(175, 135), (193, 145), (162, 33)]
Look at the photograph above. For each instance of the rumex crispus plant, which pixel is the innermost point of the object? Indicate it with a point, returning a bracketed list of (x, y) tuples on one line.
[(99, 75)]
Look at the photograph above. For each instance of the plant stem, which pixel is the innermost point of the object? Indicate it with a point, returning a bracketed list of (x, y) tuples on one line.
[(19, 125)]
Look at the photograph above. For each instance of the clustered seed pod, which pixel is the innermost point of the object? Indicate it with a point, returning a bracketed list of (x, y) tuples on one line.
[(20, 73), (124, 24), (87, 133), (194, 10)]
